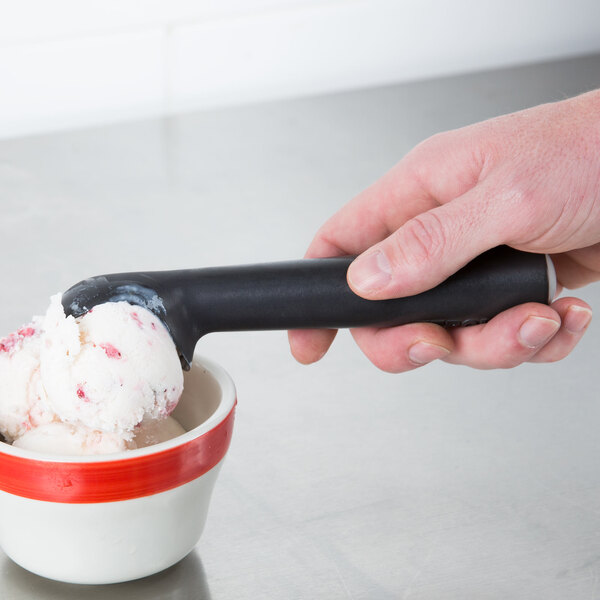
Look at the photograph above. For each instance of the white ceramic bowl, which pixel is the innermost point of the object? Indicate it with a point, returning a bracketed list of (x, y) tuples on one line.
[(117, 517)]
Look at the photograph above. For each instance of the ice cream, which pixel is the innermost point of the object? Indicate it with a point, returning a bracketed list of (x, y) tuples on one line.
[(21, 393), (62, 438), (109, 369), (88, 385)]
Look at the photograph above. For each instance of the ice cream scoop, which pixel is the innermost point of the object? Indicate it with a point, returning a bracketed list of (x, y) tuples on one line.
[(313, 293)]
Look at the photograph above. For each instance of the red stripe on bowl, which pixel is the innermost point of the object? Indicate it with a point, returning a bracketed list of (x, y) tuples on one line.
[(112, 480)]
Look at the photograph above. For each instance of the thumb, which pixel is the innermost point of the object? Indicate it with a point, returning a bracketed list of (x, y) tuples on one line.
[(429, 248)]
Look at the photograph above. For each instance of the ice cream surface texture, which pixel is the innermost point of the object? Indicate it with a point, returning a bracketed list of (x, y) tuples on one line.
[(87, 384), (21, 393), (62, 438)]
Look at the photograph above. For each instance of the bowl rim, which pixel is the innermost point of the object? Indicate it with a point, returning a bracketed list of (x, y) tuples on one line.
[(130, 474), (226, 404)]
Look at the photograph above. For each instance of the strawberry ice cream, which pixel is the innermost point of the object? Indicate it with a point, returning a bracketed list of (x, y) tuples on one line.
[(63, 438), (84, 386), (110, 368), (21, 392)]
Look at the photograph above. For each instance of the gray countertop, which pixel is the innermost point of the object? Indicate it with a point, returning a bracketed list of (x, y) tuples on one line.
[(341, 481)]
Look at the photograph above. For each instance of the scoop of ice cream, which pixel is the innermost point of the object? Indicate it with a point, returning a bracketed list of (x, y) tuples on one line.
[(110, 368), (154, 431), (21, 394), (88, 385), (63, 438)]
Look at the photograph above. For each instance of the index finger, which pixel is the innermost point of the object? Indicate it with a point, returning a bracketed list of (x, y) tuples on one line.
[(433, 173)]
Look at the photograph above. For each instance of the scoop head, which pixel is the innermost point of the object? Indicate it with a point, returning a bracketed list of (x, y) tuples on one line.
[(147, 290)]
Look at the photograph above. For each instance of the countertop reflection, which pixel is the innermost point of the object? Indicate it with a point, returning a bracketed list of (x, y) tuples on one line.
[(184, 580)]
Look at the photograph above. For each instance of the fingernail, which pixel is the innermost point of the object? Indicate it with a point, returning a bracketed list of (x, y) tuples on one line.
[(577, 319), (536, 331), (422, 353), (370, 272)]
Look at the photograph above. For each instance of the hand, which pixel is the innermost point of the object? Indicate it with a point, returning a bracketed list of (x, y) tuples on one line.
[(530, 180)]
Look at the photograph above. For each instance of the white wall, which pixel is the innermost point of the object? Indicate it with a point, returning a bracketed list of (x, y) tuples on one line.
[(68, 63)]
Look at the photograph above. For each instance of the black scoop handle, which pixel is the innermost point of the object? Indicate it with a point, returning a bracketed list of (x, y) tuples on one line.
[(314, 293)]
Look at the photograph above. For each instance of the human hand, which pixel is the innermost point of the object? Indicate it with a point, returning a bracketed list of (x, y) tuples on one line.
[(530, 180)]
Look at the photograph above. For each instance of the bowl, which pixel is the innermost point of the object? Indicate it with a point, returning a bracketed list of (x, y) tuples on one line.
[(116, 517)]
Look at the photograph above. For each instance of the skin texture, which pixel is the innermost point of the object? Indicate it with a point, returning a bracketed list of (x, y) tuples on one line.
[(530, 180)]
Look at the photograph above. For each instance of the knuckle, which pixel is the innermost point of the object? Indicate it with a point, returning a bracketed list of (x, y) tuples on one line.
[(518, 200), (421, 160), (423, 239), (520, 197), (438, 142)]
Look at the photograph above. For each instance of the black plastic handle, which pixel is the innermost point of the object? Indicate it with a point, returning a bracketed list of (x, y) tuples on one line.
[(313, 293)]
